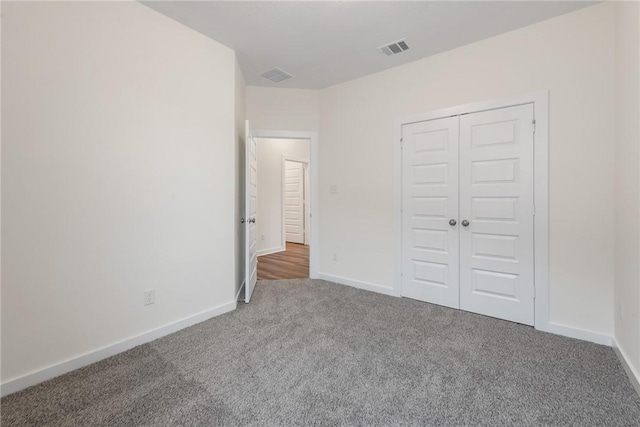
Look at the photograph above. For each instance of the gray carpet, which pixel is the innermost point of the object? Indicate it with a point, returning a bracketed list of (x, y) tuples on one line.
[(315, 353)]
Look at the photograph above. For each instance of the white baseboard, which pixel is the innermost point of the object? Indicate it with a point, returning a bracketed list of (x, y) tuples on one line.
[(634, 376), (270, 251), (577, 333), (551, 327), (240, 290), (69, 365), (358, 284)]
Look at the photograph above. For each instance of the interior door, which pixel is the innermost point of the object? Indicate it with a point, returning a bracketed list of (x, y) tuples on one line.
[(294, 201), (430, 211), (251, 213), (496, 213), (307, 204)]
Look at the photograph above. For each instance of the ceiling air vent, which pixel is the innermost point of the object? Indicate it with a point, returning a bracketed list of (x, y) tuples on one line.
[(394, 48), (276, 75)]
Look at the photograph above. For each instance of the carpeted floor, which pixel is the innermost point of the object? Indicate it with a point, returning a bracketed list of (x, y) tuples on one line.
[(311, 352)]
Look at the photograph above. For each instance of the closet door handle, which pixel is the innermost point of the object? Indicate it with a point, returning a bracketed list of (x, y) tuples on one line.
[(452, 222), (465, 223)]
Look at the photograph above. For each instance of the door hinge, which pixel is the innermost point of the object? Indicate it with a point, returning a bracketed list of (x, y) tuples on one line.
[(534, 125), (401, 143)]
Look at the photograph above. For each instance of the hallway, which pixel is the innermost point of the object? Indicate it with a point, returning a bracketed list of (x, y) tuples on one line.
[(290, 264)]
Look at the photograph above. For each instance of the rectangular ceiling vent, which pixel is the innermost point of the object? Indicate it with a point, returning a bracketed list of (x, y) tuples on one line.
[(276, 75), (394, 48)]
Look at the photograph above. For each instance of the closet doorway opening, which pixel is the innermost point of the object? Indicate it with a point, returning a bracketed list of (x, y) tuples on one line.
[(472, 203)]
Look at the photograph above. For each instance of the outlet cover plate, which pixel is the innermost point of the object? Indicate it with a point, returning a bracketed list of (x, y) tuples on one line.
[(149, 297)]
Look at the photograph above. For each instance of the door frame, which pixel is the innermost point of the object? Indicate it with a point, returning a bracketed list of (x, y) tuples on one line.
[(314, 238), (305, 164), (540, 101)]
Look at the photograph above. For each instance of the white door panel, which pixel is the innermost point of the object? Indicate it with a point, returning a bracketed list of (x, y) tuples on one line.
[(294, 201), (251, 212), (496, 197), (430, 183), (476, 169)]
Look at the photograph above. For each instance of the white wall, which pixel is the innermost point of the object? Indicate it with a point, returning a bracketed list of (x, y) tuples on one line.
[(627, 267), (118, 154), (240, 116), (283, 109), (573, 57), (270, 188)]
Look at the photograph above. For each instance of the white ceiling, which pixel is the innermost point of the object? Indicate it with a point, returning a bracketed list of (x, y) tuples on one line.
[(323, 43)]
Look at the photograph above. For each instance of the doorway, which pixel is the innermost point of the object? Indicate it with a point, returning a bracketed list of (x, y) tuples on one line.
[(283, 208), (468, 212), (473, 208), (265, 250)]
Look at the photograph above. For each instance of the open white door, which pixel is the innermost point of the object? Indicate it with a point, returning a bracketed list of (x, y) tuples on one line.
[(251, 213), (294, 201)]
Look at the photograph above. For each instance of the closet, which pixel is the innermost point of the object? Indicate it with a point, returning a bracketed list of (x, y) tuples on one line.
[(468, 212)]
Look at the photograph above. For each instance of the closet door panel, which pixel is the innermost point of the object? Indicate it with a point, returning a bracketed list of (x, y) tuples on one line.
[(430, 268), (496, 199)]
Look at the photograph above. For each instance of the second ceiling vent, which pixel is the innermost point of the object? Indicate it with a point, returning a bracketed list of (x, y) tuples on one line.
[(394, 48), (276, 75)]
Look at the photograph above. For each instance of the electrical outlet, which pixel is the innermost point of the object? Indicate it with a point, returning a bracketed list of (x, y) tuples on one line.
[(334, 256), (262, 237), (333, 189), (149, 297)]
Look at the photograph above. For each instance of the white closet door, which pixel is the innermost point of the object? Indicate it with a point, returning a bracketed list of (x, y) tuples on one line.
[(294, 201), (496, 198), (430, 201)]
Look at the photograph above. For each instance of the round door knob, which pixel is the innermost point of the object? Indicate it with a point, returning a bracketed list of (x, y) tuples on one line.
[(465, 223), (241, 220), (452, 222), (253, 220)]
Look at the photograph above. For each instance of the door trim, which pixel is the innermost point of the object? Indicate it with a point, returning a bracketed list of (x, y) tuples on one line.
[(314, 238), (540, 101), (305, 163)]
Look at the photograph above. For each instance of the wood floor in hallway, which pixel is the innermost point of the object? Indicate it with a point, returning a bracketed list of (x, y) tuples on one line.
[(290, 264)]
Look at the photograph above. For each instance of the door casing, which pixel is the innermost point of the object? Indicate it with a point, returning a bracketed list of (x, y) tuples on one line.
[(540, 101), (314, 235)]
